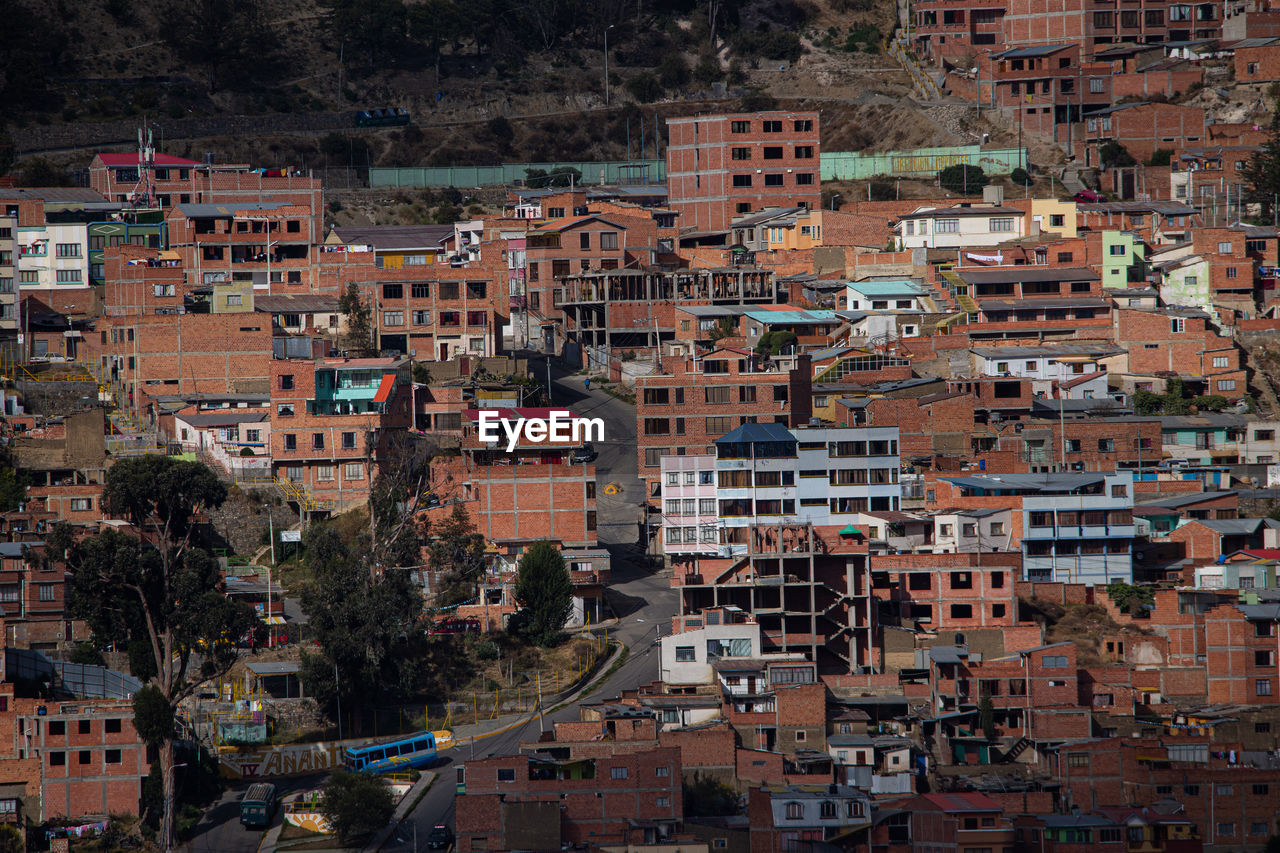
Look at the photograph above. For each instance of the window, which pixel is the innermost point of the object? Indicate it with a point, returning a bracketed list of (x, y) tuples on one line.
[(393, 291), (112, 756), (81, 504), (740, 127), (1054, 661), (1221, 361), (393, 318), (57, 728), (1077, 759), (1178, 325), (1261, 790), (506, 774), (584, 241), (285, 410), (67, 250), (421, 290), (1258, 828), (290, 441), (999, 224), (618, 772), (29, 276), (422, 318), (962, 611), (1057, 220), (795, 811), (741, 153), (317, 441), (663, 802), (946, 226), (68, 276), (609, 240), (773, 152), (771, 126), (348, 441), (1231, 272), (742, 180), (685, 654), (112, 726), (1226, 384), (324, 473), (1224, 248), (1226, 828), (48, 592), (57, 759), (773, 181), (353, 471), (1262, 687)]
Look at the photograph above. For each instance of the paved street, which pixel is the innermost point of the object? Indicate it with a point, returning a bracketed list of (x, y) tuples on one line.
[(643, 602)]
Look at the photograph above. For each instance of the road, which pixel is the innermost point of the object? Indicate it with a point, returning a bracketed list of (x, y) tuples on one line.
[(219, 830), (643, 601)]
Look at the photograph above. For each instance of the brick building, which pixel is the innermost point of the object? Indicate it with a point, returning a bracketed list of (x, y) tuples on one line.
[(175, 180), (268, 243), (694, 401), (519, 802), (526, 494), (953, 30), (92, 761), (1222, 790), (331, 422), (1142, 128), (721, 166)]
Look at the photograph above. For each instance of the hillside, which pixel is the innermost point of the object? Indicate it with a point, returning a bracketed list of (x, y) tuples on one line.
[(531, 88)]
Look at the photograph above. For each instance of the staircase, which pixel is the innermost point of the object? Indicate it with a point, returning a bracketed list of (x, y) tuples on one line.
[(923, 82), (959, 290), (301, 495), (1011, 755)]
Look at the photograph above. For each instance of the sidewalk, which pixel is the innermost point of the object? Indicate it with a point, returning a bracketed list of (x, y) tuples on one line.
[(406, 804)]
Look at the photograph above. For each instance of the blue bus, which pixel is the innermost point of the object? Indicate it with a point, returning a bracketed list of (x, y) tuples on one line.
[(416, 751)]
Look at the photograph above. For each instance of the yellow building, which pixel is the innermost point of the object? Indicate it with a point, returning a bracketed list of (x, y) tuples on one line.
[(1055, 218)]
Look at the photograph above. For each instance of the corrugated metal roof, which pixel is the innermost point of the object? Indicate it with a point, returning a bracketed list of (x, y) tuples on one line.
[(989, 275), (887, 288), (757, 432)]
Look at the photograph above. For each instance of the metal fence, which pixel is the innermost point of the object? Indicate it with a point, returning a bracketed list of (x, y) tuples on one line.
[(508, 174)]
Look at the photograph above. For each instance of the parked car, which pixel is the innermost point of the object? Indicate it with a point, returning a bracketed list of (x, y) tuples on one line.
[(1089, 197), (584, 454), (454, 626), (440, 838)]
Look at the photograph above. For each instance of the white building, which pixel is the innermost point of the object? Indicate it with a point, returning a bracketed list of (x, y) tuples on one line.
[(53, 256), (884, 294), (962, 226), (769, 474), (689, 520)]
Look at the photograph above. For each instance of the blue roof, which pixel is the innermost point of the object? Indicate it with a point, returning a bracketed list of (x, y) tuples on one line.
[(793, 316), (756, 432), (886, 288)]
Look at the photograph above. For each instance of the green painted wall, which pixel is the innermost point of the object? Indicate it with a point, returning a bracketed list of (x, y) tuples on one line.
[(835, 166)]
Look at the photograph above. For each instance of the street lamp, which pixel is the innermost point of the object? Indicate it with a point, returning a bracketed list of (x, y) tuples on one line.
[(835, 196), (606, 64)]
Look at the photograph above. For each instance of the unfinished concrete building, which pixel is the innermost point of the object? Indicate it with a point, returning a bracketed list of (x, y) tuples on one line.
[(634, 309), (809, 589)]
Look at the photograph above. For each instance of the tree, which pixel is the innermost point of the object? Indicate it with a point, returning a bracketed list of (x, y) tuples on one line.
[(723, 328), (1130, 598), (1210, 402), (356, 804), (457, 554), (228, 37), (962, 178), (706, 796), (1147, 403), (160, 592), (358, 339), (644, 87), (673, 71), (773, 343), (544, 592), (1019, 175), (368, 28), (1262, 172), (1114, 155), (986, 715)]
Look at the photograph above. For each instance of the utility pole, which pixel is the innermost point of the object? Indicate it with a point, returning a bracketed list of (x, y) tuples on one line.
[(606, 64)]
